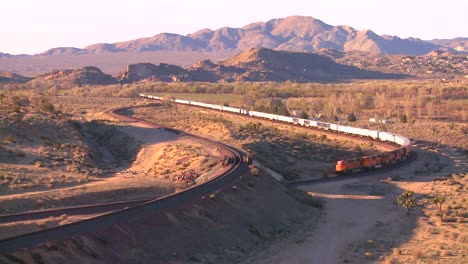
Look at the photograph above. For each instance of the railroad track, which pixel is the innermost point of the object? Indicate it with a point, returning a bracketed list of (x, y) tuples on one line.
[(125, 211)]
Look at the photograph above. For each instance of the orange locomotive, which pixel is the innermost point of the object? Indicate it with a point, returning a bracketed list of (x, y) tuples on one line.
[(372, 162)]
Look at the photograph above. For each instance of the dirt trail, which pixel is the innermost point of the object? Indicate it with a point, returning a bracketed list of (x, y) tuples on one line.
[(129, 182), (349, 214), (353, 208)]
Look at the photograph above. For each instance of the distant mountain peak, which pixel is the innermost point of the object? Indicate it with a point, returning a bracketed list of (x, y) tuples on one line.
[(293, 33)]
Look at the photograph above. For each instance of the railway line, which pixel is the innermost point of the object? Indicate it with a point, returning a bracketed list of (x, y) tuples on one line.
[(343, 166), (125, 211)]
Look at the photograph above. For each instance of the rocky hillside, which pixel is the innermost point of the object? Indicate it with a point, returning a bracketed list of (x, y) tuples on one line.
[(84, 76), (9, 77), (254, 65), (294, 33), (150, 72), (435, 64)]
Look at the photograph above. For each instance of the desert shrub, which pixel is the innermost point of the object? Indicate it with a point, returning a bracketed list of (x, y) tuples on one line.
[(252, 126), (351, 117), (403, 118), (304, 115), (10, 138), (407, 200)]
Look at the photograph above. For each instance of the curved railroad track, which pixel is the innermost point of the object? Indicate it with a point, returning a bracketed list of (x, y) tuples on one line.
[(397, 147), (124, 211)]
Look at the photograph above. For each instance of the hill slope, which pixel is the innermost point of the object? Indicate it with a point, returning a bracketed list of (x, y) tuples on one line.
[(87, 75), (9, 77), (256, 65)]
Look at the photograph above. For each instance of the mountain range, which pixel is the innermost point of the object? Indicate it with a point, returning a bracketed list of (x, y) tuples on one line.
[(254, 65), (294, 33)]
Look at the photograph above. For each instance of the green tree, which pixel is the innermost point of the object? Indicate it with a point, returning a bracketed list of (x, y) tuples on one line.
[(438, 201), (407, 200), (304, 115)]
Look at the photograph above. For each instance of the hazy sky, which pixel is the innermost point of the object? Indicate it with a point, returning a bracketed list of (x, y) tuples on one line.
[(33, 26)]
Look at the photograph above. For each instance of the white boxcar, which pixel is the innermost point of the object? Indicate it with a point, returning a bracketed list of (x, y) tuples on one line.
[(263, 115), (244, 111), (198, 104), (383, 136), (363, 132), (390, 137), (232, 109), (323, 125), (288, 119), (345, 129), (374, 134), (217, 107), (312, 123), (211, 106), (402, 141), (304, 122), (406, 142), (334, 127), (182, 101)]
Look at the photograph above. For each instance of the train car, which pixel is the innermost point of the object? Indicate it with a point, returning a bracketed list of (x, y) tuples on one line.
[(390, 137), (304, 122), (374, 134), (313, 123), (263, 115), (372, 162), (287, 119), (211, 106), (363, 132), (323, 125), (232, 109), (187, 102), (342, 166), (401, 140), (216, 107), (345, 129), (382, 135), (347, 166)]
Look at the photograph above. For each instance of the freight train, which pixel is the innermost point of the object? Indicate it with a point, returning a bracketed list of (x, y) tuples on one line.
[(342, 166)]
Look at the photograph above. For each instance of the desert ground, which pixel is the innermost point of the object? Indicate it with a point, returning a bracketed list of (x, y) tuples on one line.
[(359, 222), (362, 222), (159, 157)]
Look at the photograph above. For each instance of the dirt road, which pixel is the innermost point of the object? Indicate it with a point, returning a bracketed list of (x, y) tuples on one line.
[(354, 208)]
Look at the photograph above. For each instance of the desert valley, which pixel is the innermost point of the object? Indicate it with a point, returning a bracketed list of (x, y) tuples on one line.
[(285, 141)]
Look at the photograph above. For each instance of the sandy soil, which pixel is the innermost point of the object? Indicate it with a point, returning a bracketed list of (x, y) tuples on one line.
[(357, 208), (141, 179)]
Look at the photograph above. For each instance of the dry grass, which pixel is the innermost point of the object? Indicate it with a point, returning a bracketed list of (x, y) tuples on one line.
[(423, 237), (177, 159), (294, 152)]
